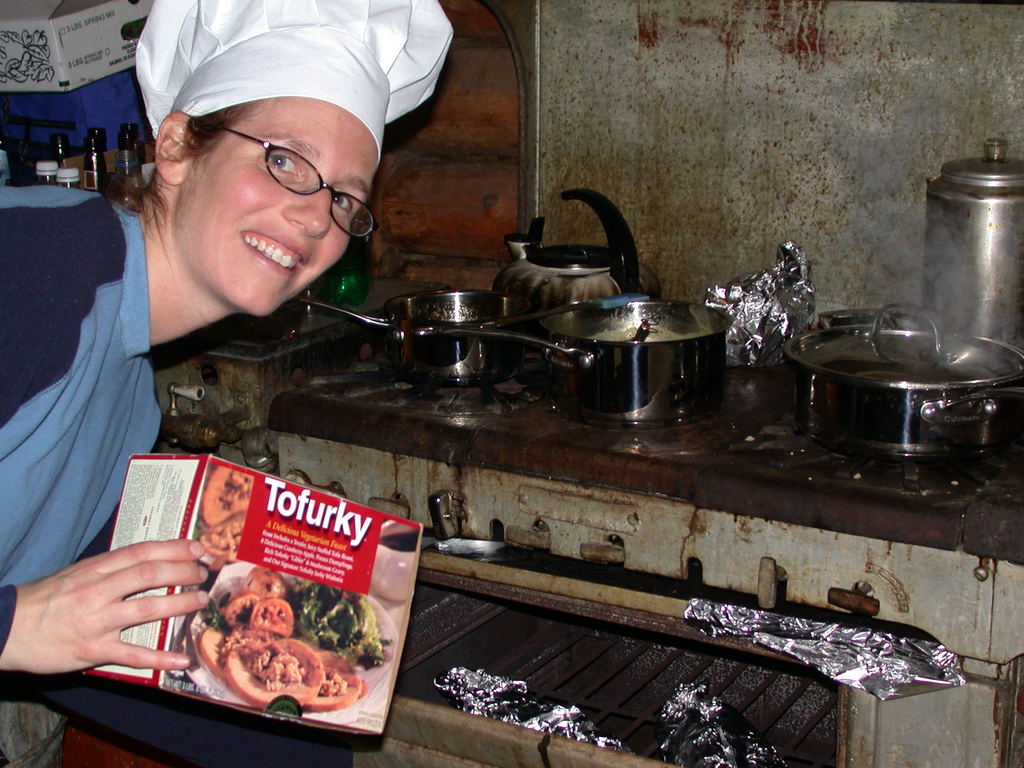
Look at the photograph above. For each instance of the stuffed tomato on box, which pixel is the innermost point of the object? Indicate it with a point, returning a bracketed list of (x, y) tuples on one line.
[(309, 592)]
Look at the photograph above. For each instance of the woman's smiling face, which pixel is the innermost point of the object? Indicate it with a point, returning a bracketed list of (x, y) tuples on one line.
[(236, 240)]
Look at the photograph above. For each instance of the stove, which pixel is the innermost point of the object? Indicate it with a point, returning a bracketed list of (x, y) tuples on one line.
[(658, 500), (622, 527), (738, 504)]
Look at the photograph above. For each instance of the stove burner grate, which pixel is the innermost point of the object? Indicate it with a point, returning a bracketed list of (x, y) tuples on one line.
[(486, 398), (379, 383)]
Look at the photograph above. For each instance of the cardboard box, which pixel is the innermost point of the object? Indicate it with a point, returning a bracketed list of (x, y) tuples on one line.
[(309, 593), (49, 45)]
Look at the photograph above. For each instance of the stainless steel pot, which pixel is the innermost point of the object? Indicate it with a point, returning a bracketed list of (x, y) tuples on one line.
[(906, 394), (656, 363), (641, 364), (452, 359), (974, 245)]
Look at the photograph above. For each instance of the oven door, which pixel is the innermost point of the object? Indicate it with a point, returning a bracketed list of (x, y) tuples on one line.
[(619, 676)]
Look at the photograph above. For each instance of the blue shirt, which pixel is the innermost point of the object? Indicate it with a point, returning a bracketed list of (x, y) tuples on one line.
[(77, 394)]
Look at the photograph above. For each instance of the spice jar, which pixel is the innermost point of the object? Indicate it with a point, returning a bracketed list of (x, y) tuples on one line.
[(68, 178), (46, 172)]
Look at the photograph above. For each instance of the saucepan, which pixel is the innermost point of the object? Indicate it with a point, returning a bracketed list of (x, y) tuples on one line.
[(907, 393), (649, 363), (458, 357)]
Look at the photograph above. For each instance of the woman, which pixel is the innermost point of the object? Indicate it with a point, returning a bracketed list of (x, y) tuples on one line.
[(263, 245), (269, 116)]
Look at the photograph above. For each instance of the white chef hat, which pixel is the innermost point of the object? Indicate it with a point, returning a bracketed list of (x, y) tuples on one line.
[(377, 59)]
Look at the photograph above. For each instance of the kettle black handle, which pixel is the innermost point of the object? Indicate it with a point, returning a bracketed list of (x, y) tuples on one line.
[(625, 266)]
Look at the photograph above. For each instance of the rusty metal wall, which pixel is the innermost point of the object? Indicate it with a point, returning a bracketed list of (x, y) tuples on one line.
[(722, 128)]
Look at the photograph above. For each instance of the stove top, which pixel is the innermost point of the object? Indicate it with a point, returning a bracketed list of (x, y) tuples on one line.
[(376, 384), (747, 459)]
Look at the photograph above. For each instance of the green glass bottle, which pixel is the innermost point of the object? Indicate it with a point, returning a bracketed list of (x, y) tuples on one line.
[(347, 283)]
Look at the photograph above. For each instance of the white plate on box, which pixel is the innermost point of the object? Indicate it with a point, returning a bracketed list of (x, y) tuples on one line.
[(231, 581)]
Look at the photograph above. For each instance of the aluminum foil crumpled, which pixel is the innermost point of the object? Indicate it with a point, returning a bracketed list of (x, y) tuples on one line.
[(480, 693), (767, 308), (698, 730), (877, 662)]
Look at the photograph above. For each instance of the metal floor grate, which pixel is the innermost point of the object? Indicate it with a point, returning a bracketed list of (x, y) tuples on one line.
[(619, 677)]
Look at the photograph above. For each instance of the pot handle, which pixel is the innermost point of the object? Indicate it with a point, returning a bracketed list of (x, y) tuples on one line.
[(935, 411), (376, 322), (602, 302), (582, 358), (889, 312)]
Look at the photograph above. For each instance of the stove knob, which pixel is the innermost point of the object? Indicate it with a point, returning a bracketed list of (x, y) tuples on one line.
[(446, 514), (769, 576), (853, 601), (259, 449), (298, 476), (612, 551)]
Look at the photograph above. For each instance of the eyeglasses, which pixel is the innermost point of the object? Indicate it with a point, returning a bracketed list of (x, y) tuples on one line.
[(296, 174)]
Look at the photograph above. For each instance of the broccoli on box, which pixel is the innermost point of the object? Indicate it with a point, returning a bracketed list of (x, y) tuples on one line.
[(309, 592)]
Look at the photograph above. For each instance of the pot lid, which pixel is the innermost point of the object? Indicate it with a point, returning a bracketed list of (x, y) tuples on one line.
[(994, 169), (906, 359), (569, 256)]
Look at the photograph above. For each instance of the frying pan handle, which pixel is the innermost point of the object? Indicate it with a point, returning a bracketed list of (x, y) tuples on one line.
[(376, 322), (935, 411), (582, 358)]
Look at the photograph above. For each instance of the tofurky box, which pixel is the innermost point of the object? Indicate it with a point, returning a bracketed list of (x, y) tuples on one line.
[(309, 592), (55, 45)]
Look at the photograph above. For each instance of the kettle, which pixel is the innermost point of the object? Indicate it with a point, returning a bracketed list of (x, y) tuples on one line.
[(555, 275), (974, 243)]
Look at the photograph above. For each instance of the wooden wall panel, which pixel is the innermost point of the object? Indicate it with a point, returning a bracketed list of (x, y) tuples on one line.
[(447, 189), (460, 273), (457, 205), (474, 108), (473, 21)]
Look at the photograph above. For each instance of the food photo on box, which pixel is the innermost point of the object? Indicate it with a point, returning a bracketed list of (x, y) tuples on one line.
[(309, 593)]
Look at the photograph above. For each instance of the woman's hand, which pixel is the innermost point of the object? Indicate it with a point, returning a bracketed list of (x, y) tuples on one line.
[(73, 619)]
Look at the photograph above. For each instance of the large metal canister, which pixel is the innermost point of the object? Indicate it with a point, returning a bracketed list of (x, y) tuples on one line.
[(974, 245)]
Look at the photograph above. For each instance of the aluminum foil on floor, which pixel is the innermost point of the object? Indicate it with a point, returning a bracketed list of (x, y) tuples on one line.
[(877, 662), (510, 701)]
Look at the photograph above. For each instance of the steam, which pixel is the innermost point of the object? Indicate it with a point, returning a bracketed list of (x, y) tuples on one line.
[(973, 258)]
